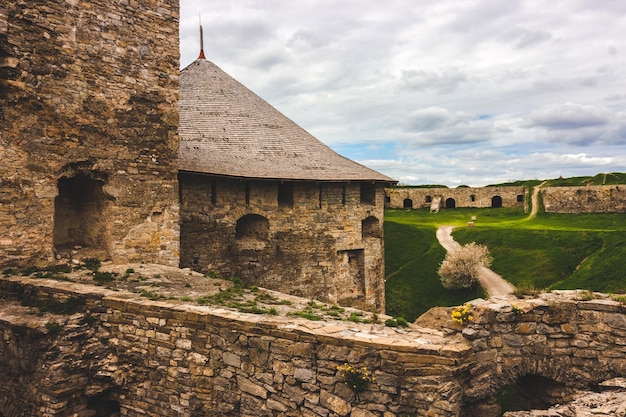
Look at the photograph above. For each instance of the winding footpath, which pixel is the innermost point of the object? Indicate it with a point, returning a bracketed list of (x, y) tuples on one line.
[(493, 283)]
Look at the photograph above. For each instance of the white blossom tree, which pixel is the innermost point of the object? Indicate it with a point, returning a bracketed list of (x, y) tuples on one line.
[(460, 267)]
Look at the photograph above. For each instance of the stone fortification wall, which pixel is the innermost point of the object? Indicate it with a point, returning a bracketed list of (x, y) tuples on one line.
[(587, 199), (317, 240), (168, 358), (88, 129), (410, 197)]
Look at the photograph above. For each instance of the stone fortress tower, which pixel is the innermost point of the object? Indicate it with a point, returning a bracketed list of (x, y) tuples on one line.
[(88, 130), (263, 200)]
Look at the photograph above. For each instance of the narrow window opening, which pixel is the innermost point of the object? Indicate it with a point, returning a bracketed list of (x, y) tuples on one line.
[(320, 195), (520, 198), (285, 195), (429, 198), (368, 193), (213, 192), (472, 198)]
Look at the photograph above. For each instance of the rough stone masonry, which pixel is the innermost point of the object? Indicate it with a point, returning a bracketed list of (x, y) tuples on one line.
[(88, 130)]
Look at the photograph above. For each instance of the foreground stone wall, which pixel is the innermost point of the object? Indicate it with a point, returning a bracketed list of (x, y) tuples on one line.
[(174, 359), (88, 130), (317, 240), (587, 199), (417, 198)]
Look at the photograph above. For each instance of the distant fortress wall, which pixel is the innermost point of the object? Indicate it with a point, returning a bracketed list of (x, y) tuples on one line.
[(434, 198), (587, 199)]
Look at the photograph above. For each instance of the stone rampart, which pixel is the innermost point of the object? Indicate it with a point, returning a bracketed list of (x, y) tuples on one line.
[(587, 199), (417, 198), (170, 358)]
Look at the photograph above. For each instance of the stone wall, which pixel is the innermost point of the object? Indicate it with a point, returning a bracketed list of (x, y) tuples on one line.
[(418, 198), (88, 130), (170, 358), (587, 199), (317, 240)]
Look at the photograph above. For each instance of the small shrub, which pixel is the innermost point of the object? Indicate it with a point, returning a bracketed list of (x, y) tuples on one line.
[(460, 268), (586, 295), (87, 319), (152, 295), (396, 322), (306, 314), (54, 328), (402, 322), (92, 264), (358, 379), (619, 298), (526, 289), (391, 323), (103, 277)]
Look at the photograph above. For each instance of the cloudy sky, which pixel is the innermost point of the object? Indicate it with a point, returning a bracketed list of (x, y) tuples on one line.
[(451, 92)]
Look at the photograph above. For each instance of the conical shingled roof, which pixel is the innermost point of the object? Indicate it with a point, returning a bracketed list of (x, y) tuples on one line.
[(226, 129)]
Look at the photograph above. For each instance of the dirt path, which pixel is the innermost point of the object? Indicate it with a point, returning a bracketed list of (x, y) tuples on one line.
[(493, 283), (534, 201)]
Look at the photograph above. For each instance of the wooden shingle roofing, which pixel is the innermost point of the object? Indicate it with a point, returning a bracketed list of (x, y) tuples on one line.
[(225, 129)]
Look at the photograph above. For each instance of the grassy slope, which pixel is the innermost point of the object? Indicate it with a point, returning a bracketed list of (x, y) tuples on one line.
[(412, 257), (585, 251)]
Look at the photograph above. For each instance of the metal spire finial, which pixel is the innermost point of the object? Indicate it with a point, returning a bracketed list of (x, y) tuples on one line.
[(201, 56)]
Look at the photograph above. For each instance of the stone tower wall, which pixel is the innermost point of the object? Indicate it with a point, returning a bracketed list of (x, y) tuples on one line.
[(324, 242), (588, 199), (88, 130)]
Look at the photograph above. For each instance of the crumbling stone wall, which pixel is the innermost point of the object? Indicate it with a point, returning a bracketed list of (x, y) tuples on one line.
[(418, 198), (168, 358), (88, 130), (573, 338), (317, 240), (587, 199)]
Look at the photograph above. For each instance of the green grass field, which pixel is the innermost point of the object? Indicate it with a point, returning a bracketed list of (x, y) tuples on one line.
[(550, 251)]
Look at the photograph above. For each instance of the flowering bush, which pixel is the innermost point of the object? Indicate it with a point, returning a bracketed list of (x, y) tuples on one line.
[(462, 314), (358, 379), (461, 267)]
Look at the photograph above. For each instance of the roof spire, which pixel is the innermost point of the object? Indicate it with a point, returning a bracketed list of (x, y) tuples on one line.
[(201, 56)]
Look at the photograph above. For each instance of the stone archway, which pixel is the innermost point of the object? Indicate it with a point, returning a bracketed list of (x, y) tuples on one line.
[(407, 203), (496, 201), (370, 228), (252, 227), (450, 203), (81, 211)]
